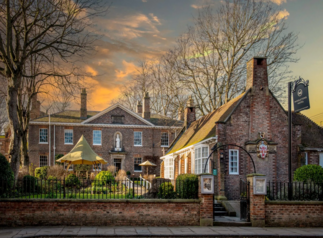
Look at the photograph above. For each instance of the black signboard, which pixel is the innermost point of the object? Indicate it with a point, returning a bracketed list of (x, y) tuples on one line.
[(300, 97)]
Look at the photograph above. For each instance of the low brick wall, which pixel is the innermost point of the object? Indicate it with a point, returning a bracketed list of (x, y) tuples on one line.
[(294, 213), (143, 212)]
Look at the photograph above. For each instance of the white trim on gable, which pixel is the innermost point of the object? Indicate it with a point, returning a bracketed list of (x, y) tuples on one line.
[(121, 107)]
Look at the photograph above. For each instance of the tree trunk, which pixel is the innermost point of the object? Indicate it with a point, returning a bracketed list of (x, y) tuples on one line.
[(15, 140), (24, 148)]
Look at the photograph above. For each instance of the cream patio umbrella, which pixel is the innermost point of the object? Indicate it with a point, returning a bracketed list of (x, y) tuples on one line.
[(147, 164), (82, 153)]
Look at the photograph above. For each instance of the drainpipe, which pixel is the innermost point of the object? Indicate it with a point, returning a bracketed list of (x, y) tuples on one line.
[(49, 141), (54, 145)]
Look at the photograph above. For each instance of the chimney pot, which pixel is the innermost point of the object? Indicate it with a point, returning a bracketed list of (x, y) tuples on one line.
[(83, 111), (189, 114), (146, 106), (257, 76), (139, 107)]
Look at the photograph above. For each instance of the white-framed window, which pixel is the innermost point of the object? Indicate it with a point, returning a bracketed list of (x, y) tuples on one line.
[(71, 168), (137, 138), (306, 158), (201, 154), (169, 168), (137, 162), (164, 139), (43, 160), (97, 137), (97, 167), (233, 161), (68, 137), (43, 136), (321, 159)]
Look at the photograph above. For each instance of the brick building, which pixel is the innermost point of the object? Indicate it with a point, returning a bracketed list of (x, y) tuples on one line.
[(120, 136), (254, 120), (5, 140)]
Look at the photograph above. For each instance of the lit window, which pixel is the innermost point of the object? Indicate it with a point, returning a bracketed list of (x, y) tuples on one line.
[(169, 168), (137, 138), (233, 162), (42, 160), (164, 139), (97, 167), (137, 163), (68, 137), (201, 155), (97, 135), (43, 136)]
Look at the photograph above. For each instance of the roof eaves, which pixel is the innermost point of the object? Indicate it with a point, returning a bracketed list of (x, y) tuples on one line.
[(176, 139)]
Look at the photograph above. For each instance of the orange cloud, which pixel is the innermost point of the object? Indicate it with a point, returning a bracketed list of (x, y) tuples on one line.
[(129, 68), (278, 2), (91, 71), (282, 14)]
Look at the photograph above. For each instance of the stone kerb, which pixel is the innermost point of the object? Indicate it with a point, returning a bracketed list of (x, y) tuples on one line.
[(257, 204), (206, 205)]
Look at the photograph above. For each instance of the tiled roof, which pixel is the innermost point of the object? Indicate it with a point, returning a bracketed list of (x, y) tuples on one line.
[(204, 127), (71, 116), (312, 133)]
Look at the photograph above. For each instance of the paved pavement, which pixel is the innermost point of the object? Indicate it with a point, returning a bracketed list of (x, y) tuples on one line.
[(101, 231)]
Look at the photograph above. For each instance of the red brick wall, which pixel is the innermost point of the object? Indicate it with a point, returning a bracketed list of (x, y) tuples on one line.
[(151, 139), (100, 213), (294, 214)]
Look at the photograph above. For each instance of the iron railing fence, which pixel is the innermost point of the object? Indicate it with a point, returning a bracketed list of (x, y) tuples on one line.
[(133, 188), (301, 191)]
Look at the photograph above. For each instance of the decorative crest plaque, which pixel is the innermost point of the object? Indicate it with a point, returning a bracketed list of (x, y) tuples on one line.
[(262, 147)]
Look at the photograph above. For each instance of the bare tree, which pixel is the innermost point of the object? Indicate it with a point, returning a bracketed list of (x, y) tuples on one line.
[(55, 31)]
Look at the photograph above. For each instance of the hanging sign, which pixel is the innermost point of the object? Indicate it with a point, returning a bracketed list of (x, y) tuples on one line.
[(300, 95), (215, 172)]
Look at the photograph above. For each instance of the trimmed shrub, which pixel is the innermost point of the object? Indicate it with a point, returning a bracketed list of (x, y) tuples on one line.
[(72, 180), (187, 186), (41, 172), (6, 176), (56, 171), (103, 178), (166, 191), (29, 184), (309, 173)]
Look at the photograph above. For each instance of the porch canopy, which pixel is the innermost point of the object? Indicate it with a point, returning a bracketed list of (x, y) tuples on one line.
[(82, 153)]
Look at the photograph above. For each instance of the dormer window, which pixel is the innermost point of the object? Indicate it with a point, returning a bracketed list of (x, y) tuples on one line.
[(117, 119)]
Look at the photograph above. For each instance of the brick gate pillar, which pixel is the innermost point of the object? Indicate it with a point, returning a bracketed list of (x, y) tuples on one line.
[(207, 200), (257, 202)]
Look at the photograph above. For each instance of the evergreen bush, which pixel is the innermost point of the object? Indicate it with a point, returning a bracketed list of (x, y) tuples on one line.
[(72, 180), (187, 186), (41, 172), (166, 191), (103, 178), (29, 184), (309, 173), (6, 176)]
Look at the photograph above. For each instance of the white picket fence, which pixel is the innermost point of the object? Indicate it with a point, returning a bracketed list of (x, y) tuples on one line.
[(145, 183)]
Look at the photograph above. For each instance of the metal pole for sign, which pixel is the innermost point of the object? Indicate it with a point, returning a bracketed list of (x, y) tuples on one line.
[(290, 140)]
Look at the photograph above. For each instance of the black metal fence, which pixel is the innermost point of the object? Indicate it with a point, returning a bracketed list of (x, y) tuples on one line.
[(300, 191), (134, 188)]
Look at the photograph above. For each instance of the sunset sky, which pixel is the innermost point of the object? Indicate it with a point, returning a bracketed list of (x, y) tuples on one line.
[(135, 30)]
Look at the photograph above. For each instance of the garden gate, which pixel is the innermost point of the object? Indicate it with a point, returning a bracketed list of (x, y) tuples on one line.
[(244, 200)]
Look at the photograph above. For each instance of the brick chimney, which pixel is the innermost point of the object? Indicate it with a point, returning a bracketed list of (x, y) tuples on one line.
[(180, 114), (189, 113), (35, 108), (260, 113), (146, 106), (139, 107), (257, 77), (83, 111)]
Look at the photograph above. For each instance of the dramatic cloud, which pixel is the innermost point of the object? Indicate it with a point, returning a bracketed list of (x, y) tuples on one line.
[(278, 2), (283, 14), (155, 18)]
